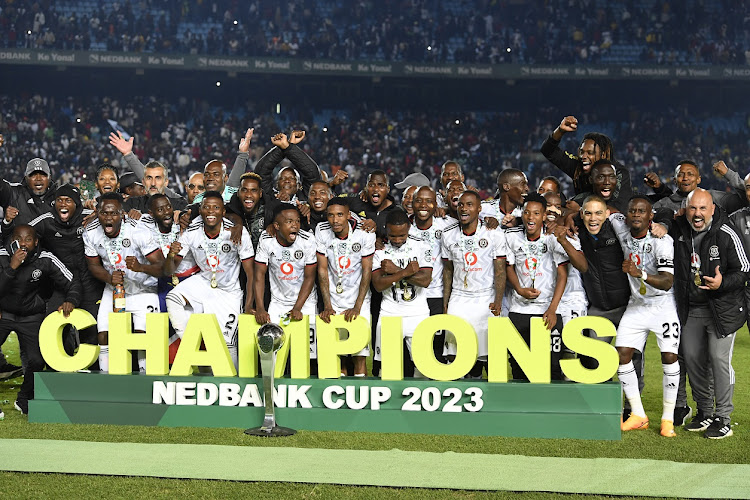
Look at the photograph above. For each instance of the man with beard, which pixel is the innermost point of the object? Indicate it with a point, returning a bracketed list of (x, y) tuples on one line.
[(155, 181), (711, 269), (61, 232), (290, 259), (344, 266), (118, 254), (512, 188), (687, 177), (594, 147), (538, 272), (31, 198), (249, 206), (473, 271), (24, 270), (402, 271), (215, 289), (649, 266)]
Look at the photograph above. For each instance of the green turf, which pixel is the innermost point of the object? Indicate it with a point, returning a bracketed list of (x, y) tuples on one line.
[(687, 447)]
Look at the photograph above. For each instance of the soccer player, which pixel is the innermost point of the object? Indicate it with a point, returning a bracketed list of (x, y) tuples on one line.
[(408, 199), (512, 188), (450, 171), (710, 274), (25, 273), (603, 181), (538, 273), (549, 184), (650, 270), (290, 259), (119, 254), (401, 272), (453, 193), (345, 253), (215, 289), (473, 271)]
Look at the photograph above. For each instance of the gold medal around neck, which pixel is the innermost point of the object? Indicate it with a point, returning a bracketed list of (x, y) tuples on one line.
[(697, 279), (339, 287), (214, 281), (407, 294), (642, 289), (466, 280), (175, 280)]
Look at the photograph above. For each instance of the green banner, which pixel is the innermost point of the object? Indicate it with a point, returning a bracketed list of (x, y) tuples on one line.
[(466, 407), (366, 68)]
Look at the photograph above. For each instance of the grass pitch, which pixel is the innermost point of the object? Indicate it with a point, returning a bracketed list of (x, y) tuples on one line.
[(687, 447)]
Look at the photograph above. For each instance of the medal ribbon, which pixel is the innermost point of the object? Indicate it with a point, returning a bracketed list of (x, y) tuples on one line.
[(211, 248), (532, 251)]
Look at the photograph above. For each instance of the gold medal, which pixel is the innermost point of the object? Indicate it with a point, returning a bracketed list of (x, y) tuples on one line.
[(407, 294), (642, 289), (697, 280), (339, 287), (214, 281), (175, 280), (466, 280)]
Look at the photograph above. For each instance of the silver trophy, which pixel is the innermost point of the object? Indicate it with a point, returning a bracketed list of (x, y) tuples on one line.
[(270, 339)]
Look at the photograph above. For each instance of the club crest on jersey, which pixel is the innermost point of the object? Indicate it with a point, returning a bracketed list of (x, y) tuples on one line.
[(286, 256), (298, 254), (126, 243), (647, 248), (356, 247), (483, 243), (713, 252), (225, 248), (79, 231), (438, 233), (36, 274)]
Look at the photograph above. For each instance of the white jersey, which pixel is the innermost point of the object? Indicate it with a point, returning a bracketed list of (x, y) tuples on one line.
[(286, 267), (403, 298), (538, 259), (113, 252), (491, 208), (217, 256), (473, 258), (574, 295), (345, 262), (433, 237), (187, 267), (650, 254)]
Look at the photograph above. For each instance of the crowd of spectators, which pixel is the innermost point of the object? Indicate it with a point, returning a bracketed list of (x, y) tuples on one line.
[(71, 134), (480, 31)]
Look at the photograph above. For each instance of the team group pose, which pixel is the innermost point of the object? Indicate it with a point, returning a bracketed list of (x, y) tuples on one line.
[(281, 239)]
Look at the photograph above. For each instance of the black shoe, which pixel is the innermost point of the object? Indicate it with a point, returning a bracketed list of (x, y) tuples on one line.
[(625, 414), (681, 414), (719, 429), (700, 422), (22, 405), (10, 371)]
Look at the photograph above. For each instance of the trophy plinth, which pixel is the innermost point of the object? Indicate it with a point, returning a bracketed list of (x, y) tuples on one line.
[(270, 339)]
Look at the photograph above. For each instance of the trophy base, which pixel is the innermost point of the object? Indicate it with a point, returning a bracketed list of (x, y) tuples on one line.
[(274, 431)]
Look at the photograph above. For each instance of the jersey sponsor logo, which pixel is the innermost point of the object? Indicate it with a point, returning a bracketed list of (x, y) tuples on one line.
[(356, 247), (126, 242), (635, 258), (286, 268), (470, 258), (226, 248), (344, 262), (713, 252), (298, 254)]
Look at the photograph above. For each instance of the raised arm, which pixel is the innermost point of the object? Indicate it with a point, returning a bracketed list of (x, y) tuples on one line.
[(267, 163), (563, 160), (243, 157)]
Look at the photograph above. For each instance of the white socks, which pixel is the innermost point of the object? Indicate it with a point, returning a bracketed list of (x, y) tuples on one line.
[(629, 381), (177, 309), (104, 358), (670, 381)]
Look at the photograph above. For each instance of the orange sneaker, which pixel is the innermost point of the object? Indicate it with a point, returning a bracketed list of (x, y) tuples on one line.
[(667, 429), (634, 422)]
